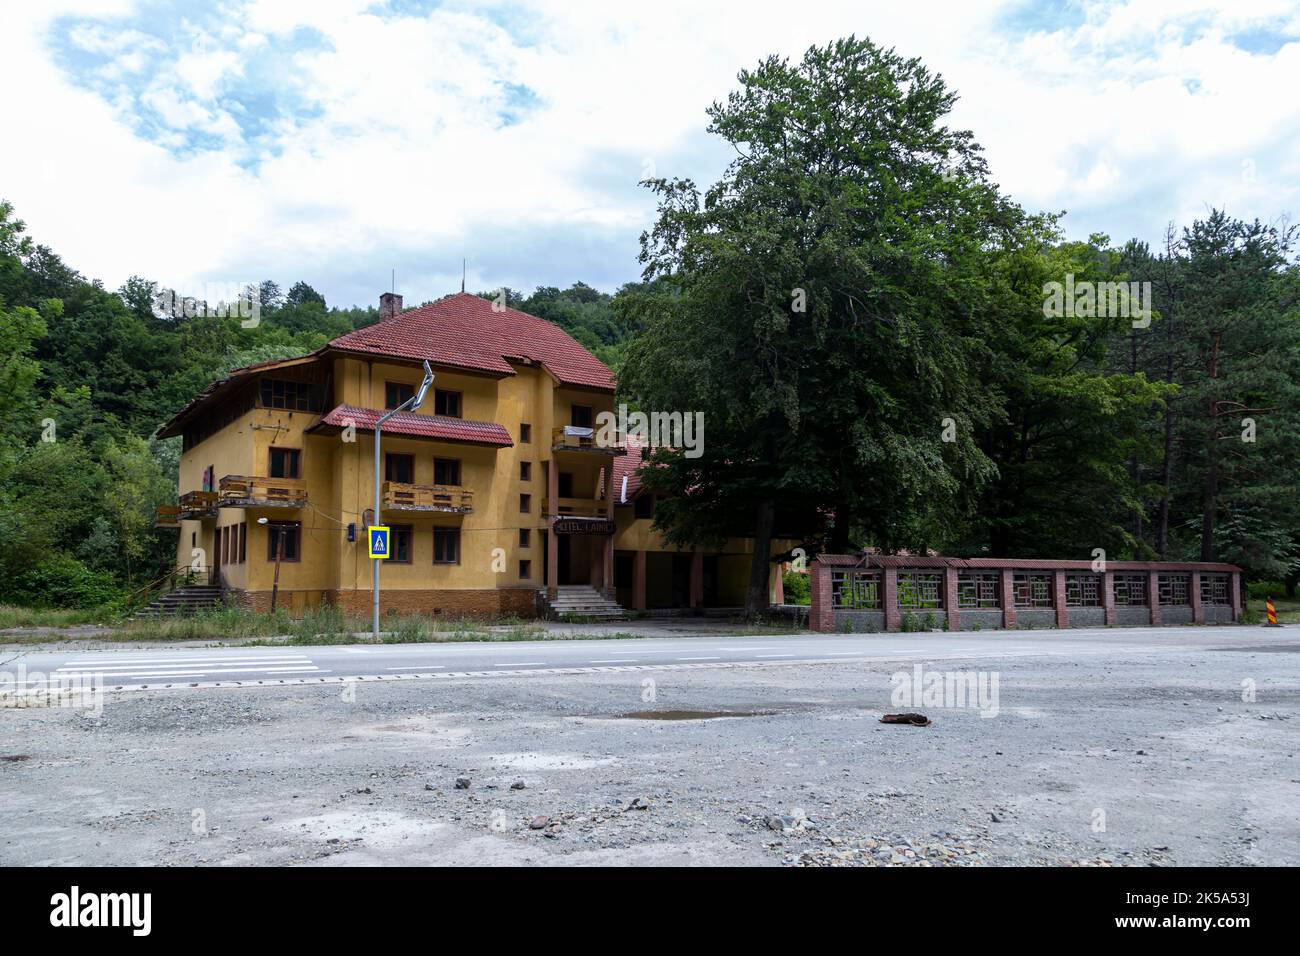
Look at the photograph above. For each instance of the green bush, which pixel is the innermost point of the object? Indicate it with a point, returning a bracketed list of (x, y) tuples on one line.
[(61, 581), (798, 589), (1265, 589)]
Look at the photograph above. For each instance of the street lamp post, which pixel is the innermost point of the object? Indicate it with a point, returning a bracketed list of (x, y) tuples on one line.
[(414, 402)]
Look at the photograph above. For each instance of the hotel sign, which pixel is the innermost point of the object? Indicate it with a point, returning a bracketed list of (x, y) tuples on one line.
[(584, 526)]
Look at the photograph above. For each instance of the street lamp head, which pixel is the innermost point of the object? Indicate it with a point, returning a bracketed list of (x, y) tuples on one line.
[(261, 521)]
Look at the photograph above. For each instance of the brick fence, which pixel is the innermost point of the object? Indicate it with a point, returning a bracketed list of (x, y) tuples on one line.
[(891, 593)]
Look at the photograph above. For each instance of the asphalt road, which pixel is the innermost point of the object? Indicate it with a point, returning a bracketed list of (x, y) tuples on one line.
[(212, 667)]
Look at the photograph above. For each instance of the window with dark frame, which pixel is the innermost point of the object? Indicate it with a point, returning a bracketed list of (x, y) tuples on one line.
[(525, 570), (446, 402), (292, 533), (285, 463), (397, 392), (291, 396), (525, 504), (525, 538), (243, 543), (580, 416), (446, 546), (400, 541), (446, 471), (399, 468), (525, 433), (643, 506), (525, 471)]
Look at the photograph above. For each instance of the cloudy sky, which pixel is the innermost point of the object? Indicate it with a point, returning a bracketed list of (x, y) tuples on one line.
[(335, 140)]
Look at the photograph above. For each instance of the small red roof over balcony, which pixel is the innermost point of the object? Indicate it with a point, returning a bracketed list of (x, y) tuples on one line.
[(411, 425)]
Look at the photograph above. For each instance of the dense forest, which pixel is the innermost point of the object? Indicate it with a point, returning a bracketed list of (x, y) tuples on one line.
[(861, 314)]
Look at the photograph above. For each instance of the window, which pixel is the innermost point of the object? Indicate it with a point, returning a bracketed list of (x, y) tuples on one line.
[(399, 468), (294, 396), (1083, 590), (525, 570), (920, 589), (580, 416), (397, 392), (446, 546), (285, 462), (1032, 590), (1130, 590), (564, 485), (1214, 589), (525, 504), (525, 433), (446, 471), (446, 403), (400, 542), (525, 471), (643, 506), (525, 537), (855, 590), (977, 589), (1173, 589), (291, 532), (243, 542)]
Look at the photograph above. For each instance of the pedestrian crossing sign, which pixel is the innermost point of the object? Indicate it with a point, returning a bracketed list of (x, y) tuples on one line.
[(378, 541)]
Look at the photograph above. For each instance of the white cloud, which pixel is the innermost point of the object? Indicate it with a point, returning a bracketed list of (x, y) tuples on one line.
[(514, 134)]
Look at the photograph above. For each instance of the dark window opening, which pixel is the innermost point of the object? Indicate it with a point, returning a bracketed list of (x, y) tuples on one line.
[(525, 504), (643, 506), (525, 538), (525, 433), (580, 416), (285, 462), (290, 532), (446, 546), (446, 471), (565, 484), (401, 543), (525, 570), (397, 392), (399, 468), (446, 403), (525, 471)]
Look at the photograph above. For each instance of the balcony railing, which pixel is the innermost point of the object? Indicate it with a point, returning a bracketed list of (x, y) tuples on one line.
[(398, 496), (560, 441), (577, 507), (167, 516), (241, 491), (198, 504)]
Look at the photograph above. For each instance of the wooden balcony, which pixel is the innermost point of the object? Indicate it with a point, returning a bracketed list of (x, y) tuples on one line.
[(564, 442), (167, 516), (574, 507), (198, 504), (241, 491), (398, 496)]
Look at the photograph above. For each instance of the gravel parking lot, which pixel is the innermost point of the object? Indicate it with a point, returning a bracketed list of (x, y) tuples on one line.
[(1148, 757)]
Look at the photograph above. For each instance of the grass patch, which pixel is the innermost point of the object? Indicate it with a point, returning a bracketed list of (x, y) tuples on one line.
[(14, 616)]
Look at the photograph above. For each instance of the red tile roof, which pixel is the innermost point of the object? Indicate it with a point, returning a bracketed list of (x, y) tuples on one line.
[(466, 331), (417, 426)]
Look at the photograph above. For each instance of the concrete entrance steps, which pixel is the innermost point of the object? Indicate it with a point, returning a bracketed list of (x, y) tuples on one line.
[(584, 601), (186, 600)]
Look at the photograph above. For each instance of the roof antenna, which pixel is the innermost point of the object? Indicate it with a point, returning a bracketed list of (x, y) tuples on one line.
[(462, 275)]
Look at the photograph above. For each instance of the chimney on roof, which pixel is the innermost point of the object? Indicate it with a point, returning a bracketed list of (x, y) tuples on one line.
[(390, 303)]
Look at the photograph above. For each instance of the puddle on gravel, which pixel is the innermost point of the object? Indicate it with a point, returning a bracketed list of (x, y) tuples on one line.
[(692, 714)]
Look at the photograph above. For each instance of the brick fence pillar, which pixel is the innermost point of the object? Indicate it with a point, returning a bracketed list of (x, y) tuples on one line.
[(1234, 586), (821, 613), (950, 599), (1058, 599), (1198, 610), (1108, 598), (889, 580), (1008, 599), (1153, 596)]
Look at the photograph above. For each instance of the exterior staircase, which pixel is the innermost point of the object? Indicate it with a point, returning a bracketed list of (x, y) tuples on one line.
[(183, 600), (582, 601)]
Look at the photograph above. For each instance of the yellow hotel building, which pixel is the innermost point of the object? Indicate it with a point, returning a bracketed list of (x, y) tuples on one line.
[(498, 499)]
